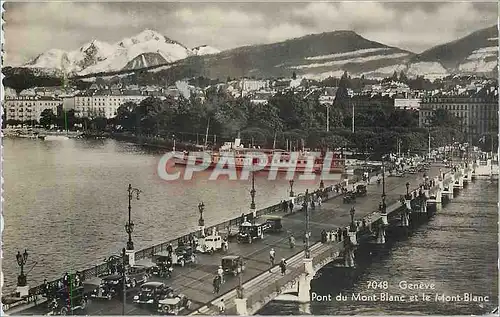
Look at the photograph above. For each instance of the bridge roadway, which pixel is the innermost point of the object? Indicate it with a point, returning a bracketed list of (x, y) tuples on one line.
[(195, 280)]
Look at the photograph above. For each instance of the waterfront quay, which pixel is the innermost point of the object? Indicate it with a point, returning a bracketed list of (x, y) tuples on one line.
[(260, 281)]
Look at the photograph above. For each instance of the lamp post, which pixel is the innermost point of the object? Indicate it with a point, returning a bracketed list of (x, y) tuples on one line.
[(129, 226), (201, 221), (291, 187), (21, 261), (321, 185), (352, 212), (252, 192), (124, 281), (307, 251), (240, 282), (408, 190)]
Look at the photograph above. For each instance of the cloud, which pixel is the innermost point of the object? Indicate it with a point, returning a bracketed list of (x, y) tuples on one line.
[(32, 28)]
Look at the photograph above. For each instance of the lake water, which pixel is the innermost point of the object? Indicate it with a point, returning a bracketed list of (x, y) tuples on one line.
[(66, 202), (457, 251)]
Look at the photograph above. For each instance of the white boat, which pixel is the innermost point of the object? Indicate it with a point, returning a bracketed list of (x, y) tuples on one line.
[(56, 137)]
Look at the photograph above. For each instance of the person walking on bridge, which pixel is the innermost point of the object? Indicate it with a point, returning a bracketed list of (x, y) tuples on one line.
[(220, 272), (283, 266), (291, 206), (217, 283), (170, 249), (272, 255)]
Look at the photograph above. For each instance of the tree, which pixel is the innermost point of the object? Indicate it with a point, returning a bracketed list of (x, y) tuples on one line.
[(394, 76), (47, 118), (294, 75), (402, 77), (444, 118)]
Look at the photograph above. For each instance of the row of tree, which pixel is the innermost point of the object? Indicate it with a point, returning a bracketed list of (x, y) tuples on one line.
[(290, 118)]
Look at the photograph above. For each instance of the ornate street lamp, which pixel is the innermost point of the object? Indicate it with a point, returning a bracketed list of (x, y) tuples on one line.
[(307, 251), (21, 261), (129, 226), (321, 185), (291, 187), (407, 190), (252, 192), (201, 209), (352, 212), (239, 290)]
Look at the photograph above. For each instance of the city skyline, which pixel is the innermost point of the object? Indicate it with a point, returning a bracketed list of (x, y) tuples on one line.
[(68, 25)]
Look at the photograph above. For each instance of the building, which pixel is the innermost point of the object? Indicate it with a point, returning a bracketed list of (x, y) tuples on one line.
[(407, 104), (101, 104), (478, 112), (27, 108), (248, 85)]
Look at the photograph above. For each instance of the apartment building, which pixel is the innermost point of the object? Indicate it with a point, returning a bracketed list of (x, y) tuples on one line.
[(478, 112), (101, 104), (27, 108)]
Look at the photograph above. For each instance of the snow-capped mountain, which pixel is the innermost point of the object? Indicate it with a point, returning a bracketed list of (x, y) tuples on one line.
[(148, 48), (205, 50), (314, 56)]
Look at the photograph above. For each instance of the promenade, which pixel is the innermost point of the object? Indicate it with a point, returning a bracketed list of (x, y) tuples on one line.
[(195, 280)]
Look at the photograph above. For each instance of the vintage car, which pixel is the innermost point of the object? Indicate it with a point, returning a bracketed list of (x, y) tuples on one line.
[(349, 197), (361, 190), (66, 301), (209, 244), (232, 264), (152, 293), (249, 232), (274, 223), (173, 305), (137, 275), (163, 266), (109, 287), (183, 255)]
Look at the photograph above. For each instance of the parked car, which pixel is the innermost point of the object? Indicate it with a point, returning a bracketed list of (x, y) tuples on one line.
[(183, 255), (110, 286), (209, 244), (349, 197), (152, 293), (137, 275), (361, 190), (173, 305), (163, 266), (66, 301), (275, 224), (232, 264)]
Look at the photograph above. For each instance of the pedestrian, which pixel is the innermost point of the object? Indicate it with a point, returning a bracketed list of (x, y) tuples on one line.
[(170, 249), (272, 254), (328, 236), (323, 236), (220, 272), (66, 279), (319, 201), (283, 266), (216, 284), (291, 240), (339, 234), (222, 307), (284, 206), (291, 206)]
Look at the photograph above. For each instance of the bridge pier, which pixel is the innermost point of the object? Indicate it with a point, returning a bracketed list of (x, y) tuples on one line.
[(381, 234), (304, 291), (241, 306)]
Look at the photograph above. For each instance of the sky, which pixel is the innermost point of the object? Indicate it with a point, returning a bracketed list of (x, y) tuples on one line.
[(35, 27)]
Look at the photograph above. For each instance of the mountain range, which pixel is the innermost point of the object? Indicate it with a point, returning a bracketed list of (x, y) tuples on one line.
[(314, 56)]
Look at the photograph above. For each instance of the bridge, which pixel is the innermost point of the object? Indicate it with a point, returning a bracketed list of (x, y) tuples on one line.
[(408, 201)]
